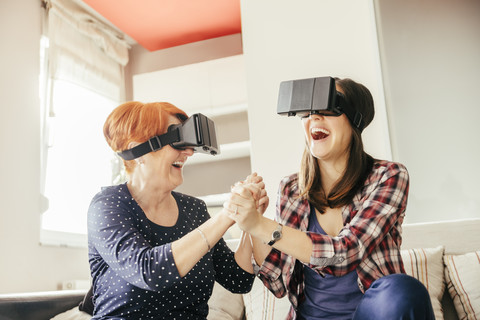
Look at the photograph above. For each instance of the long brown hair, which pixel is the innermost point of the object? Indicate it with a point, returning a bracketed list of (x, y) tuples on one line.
[(359, 163)]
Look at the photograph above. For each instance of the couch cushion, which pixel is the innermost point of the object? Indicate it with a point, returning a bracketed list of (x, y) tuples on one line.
[(462, 274), (72, 314), (426, 265), (87, 303), (224, 305)]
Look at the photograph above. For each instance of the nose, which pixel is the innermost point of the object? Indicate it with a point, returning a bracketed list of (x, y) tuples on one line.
[(315, 116), (188, 152)]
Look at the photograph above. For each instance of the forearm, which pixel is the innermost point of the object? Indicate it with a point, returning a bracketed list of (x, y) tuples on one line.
[(260, 250), (189, 249), (243, 254), (293, 242)]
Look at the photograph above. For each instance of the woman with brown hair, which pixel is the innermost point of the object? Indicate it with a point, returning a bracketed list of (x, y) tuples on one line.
[(335, 245), (155, 253)]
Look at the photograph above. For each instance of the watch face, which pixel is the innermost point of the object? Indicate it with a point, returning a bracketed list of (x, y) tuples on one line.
[(276, 235)]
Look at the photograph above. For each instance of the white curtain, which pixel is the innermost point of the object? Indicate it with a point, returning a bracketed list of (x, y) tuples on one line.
[(81, 49), (84, 50)]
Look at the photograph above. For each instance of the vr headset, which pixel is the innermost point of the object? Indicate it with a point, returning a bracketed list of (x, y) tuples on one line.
[(197, 132), (304, 97)]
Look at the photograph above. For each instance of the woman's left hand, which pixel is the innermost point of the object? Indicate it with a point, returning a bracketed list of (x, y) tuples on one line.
[(263, 201)]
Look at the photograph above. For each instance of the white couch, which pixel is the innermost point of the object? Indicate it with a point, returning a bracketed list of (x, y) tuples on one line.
[(444, 256)]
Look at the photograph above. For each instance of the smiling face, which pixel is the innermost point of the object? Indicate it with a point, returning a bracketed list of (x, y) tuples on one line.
[(328, 137), (166, 164)]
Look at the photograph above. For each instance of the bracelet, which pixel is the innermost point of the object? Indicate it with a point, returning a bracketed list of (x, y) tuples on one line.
[(204, 238)]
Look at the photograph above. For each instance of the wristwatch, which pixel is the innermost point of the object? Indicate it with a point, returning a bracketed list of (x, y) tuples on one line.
[(276, 235)]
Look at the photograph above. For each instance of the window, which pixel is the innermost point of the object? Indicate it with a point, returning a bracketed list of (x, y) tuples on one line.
[(79, 160), (82, 80)]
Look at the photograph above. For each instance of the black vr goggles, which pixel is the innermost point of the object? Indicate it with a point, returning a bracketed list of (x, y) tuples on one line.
[(197, 132), (304, 97)]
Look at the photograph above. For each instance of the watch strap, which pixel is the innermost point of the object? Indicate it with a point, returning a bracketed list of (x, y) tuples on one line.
[(274, 238)]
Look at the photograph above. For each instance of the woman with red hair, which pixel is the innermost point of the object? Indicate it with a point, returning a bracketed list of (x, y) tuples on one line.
[(155, 253)]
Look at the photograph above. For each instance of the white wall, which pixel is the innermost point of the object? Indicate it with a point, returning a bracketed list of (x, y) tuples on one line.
[(431, 59), (24, 264), (286, 40), (431, 71)]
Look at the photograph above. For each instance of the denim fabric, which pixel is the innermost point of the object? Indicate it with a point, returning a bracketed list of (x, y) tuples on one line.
[(395, 297)]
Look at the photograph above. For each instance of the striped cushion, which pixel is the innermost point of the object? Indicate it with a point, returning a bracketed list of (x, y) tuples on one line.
[(462, 274), (261, 304), (426, 265)]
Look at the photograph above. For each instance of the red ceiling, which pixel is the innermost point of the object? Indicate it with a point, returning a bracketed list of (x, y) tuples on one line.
[(160, 24)]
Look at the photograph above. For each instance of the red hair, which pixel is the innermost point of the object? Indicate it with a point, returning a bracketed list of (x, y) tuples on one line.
[(137, 122)]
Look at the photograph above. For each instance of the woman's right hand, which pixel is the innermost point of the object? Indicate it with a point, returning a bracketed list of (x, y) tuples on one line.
[(244, 203), (262, 198)]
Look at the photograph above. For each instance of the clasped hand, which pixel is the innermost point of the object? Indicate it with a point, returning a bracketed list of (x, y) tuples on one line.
[(247, 203)]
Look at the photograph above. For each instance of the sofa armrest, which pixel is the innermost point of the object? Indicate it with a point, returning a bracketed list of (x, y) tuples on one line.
[(38, 305)]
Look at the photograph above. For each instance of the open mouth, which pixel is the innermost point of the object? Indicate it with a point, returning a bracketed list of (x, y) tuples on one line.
[(178, 164), (319, 133)]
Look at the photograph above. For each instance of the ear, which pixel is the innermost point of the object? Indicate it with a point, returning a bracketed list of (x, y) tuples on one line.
[(133, 144), (139, 161)]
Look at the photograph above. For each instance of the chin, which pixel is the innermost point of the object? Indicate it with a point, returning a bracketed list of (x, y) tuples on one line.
[(177, 182), (318, 152)]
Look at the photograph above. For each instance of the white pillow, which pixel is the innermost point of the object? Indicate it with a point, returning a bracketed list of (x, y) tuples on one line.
[(261, 304), (462, 273), (72, 314), (224, 305), (426, 265)]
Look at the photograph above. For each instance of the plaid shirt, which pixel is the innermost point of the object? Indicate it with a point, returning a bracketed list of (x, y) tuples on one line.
[(368, 243)]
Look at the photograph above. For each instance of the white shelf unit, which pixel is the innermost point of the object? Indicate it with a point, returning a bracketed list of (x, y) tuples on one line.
[(227, 151)]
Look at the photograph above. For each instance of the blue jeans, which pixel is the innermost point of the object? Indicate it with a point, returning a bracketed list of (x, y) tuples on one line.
[(395, 297)]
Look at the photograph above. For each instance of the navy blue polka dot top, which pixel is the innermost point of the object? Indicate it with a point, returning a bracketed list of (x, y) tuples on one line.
[(132, 266)]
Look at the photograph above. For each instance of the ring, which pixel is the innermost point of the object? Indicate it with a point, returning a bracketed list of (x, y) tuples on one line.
[(236, 210)]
